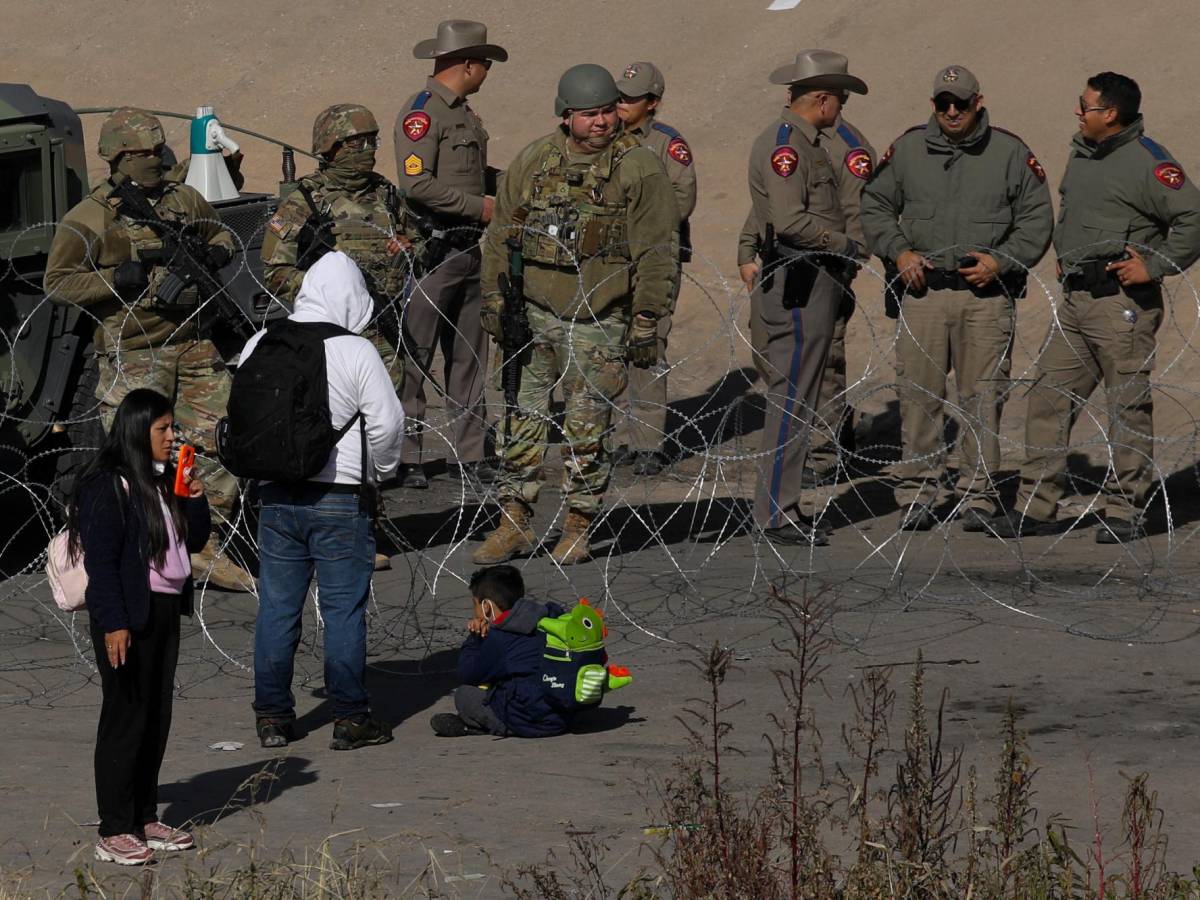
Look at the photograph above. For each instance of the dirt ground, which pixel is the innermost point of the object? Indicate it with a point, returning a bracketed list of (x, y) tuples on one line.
[(1094, 644)]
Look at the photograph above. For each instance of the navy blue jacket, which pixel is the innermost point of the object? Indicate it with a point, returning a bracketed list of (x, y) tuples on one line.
[(116, 552), (509, 661)]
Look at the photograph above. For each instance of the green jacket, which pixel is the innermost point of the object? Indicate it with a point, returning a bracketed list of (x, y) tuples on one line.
[(942, 199), (597, 230), (1127, 189)]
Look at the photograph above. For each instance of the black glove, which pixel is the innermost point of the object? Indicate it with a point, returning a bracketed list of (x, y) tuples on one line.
[(131, 276), (642, 349), (216, 256)]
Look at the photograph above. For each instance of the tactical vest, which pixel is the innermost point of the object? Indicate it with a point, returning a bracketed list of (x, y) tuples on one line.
[(361, 227), (143, 241), (570, 216)]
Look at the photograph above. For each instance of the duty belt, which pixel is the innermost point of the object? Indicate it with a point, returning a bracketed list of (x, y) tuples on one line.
[(1093, 277)]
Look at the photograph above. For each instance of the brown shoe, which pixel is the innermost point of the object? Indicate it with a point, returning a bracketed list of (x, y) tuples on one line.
[(514, 537), (212, 567), (572, 546)]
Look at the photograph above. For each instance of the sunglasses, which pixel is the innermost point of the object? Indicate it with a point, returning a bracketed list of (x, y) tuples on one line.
[(943, 102), (363, 142), (486, 63), (1084, 109)]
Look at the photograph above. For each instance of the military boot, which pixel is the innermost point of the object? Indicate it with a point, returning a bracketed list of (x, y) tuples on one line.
[(514, 537), (212, 567), (572, 546)]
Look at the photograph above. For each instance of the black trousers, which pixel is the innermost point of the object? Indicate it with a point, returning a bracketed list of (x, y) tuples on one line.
[(135, 719)]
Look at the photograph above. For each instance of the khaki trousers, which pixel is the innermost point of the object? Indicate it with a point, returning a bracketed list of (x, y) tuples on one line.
[(791, 358), (938, 331), (832, 408), (443, 309), (1111, 338)]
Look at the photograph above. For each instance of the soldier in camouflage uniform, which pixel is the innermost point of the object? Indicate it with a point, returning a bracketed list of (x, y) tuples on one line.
[(642, 86), (101, 258), (346, 205), (595, 217)]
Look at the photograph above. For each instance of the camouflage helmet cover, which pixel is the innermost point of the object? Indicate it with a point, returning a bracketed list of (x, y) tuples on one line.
[(585, 86), (339, 122), (129, 129)]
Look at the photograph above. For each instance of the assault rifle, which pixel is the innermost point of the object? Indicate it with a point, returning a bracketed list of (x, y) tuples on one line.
[(189, 259), (515, 333)]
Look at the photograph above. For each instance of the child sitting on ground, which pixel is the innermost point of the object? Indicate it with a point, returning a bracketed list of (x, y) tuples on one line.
[(500, 664)]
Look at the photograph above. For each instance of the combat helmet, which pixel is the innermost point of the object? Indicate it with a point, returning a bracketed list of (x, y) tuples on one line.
[(339, 122), (585, 86), (129, 128)]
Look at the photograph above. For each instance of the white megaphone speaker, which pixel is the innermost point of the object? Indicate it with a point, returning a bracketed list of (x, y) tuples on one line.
[(206, 171)]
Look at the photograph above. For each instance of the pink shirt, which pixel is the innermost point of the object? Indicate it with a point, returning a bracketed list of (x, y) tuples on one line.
[(170, 577)]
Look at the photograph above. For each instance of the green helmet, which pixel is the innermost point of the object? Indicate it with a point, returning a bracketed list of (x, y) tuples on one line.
[(339, 122), (129, 129), (585, 87)]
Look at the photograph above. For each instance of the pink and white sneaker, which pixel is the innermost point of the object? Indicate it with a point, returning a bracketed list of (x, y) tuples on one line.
[(124, 850), (164, 837)]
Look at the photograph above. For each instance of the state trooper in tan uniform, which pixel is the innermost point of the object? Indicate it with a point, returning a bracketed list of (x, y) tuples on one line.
[(441, 157), (642, 87), (1129, 217), (853, 159), (798, 230)]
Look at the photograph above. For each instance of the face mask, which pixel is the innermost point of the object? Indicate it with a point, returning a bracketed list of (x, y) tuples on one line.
[(147, 171), (360, 161)]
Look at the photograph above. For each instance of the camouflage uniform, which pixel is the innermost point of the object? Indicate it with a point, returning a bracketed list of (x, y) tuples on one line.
[(139, 343), (598, 245), (365, 214), (645, 425)]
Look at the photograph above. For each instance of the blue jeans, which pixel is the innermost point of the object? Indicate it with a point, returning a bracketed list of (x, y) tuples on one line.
[(302, 528)]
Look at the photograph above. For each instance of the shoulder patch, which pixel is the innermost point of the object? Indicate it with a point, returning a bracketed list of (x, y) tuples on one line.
[(679, 151), (1170, 175), (421, 99), (666, 129), (413, 164), (858, 162), (1155, 148), (784, 160), (1035, 167), (416, 124), (276, 224)]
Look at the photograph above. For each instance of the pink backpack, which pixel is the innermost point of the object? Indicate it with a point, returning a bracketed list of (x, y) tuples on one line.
[(68, 579)]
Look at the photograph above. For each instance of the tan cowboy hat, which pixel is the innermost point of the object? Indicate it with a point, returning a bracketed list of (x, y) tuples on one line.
[(460, 38), (819, 69)]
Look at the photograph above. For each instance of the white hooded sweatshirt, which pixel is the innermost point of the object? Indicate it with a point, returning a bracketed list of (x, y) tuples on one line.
[(334, 291)]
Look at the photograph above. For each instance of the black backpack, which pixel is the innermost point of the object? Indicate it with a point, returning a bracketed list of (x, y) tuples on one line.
[(278, 426)]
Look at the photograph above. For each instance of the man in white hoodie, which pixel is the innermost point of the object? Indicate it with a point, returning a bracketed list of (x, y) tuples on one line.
[(322, 525)]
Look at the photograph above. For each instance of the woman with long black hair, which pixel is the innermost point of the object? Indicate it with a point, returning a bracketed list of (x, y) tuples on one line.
[(136, 536)]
